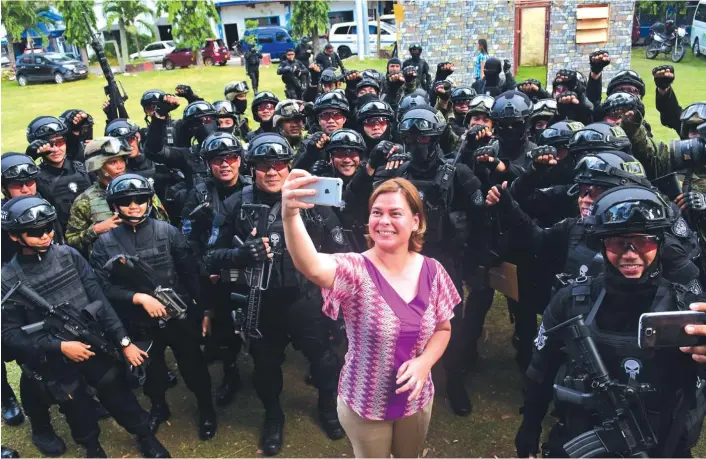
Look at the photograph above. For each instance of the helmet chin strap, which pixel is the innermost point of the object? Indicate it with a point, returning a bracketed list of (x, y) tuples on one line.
[(37, 250)]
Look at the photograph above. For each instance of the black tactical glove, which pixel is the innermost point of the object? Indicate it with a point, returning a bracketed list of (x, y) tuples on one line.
[(471, 142), (32, 148), (487, 151), (311, 146), (661, 81), (525, 87), (542, 150), (315, 74), (308, 109), (163, 108), (409, 73), (441, 72), (506, 65), (185, 91), (380, 153), (321, 168), (693, 200), (203, 213), (566, 94), (446, 85), (597, 62), (252, 251), (399, 157), (565, 77), (527, 440)]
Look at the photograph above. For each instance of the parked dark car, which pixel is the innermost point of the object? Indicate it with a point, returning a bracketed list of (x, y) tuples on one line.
[(213, 52), (48, 67)]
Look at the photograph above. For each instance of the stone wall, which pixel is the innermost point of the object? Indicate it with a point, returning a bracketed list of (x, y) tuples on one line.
[(448, 30), (565, 53)]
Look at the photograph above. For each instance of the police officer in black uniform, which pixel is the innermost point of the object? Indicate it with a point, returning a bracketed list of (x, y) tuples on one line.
[(295, 76), (303, 51), (460, 100), (223, 153), (496, 80), (252, 66), (627, 225), (415, 59), (291, 307), (129, 133), (59, 274), (263, 111), (289, 120), (166, 251), (569, 91), (60, 179), (375, 121)]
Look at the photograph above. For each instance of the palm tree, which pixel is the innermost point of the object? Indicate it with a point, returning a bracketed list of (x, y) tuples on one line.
[(125, 13), (18, 17)]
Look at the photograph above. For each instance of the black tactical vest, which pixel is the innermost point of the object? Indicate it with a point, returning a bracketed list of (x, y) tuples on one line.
[(55, 278), (581, 260), (62, 190)]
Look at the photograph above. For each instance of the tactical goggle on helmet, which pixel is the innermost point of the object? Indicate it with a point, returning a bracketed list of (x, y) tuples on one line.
[(694, 113), (26, 212), (234, 88), (22, 170), (544, 107), (590, 139), (594, 170), (559, 134), (422, 122), (626, 209)]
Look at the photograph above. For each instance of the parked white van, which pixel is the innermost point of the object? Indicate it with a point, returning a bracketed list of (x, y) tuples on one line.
[(343, 37), (698, 29)]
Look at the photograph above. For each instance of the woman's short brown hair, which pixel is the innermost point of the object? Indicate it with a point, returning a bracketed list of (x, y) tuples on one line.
[(411, 195)]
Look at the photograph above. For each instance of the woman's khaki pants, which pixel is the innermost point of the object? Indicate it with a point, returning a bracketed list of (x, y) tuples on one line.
[(401, 438)]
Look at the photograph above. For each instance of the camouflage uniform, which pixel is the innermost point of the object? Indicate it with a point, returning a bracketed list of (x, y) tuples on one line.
[(89, 208)]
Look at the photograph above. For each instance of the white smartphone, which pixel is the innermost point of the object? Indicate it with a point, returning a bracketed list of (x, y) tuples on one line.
[(329, 192)]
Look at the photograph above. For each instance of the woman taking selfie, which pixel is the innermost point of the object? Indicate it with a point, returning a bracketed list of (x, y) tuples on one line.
[(397, 305)]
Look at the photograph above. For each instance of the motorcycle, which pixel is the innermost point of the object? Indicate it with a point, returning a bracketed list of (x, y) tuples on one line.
[(664, 39)]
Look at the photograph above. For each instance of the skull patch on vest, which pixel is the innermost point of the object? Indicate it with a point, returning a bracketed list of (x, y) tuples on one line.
[(632, 367)]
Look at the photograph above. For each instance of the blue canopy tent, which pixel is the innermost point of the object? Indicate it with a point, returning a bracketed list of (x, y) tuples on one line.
[(53, 30)]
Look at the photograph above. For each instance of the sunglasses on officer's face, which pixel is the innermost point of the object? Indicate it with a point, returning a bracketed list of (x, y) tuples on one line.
[(227, 159), (40, 232), (127, 200), (375, 122), (207, 119), (336, 116), (267, 165), (57, 142), (638, 243)]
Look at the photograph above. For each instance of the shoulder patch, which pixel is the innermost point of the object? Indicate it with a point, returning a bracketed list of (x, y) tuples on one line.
[(541, 340), (694, 287), (680, 228)]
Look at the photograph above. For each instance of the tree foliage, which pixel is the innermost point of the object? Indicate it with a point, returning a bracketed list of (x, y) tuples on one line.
[(190, 22), (309, 19), (18, 17), (77, 32), (250, 24)]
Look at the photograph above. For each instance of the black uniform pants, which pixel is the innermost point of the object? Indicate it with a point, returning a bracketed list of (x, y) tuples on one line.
[(223, 337), (184, 338), (294, 92), (112, 390), (7, 391), (254, 74), (288, 315)]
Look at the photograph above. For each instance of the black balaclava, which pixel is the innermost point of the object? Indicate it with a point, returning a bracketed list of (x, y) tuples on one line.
[(511, 140), (423, 157), (201, 131), (416, 56), (268, 126), (239, 106), (493, 67)]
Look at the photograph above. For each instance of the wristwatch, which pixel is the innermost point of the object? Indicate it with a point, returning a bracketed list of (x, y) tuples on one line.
[(125, 342)]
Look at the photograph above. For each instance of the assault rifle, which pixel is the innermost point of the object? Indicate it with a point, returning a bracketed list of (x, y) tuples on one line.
[(64, 321), (116, 95), (625, 430), (247, 322), (130, 270)]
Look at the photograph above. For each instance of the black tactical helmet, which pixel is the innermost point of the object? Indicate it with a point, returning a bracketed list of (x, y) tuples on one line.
[(372, 74), (511, 106), (219, 144), (462, 93), (622, 102), (368, 82), (224, 109), (346, 139), (129, 185), (415, 47), (26, 212), (629, 77), (18, 168), (558, 134), (422, 121), (609, 169), (479, 105), (44, 128), (375, 109), (288, 109), (268, 147), (330, 76), (151, 97), (628, 209), (599, 136), (412, 100), (332, 100), (261, 98), (121, 128), (544, 108), (693, 114), (197, 110)]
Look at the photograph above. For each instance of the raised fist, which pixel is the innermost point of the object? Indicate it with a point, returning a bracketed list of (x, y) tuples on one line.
[(664, 76), (598, 59)]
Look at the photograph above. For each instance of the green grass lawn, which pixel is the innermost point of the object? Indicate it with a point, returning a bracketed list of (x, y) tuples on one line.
[(495, 385)]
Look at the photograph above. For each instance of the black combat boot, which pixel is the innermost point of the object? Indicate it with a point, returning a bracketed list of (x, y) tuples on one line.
[(11, 412), (207, 420), (273, 431), (328, 415), (458, 397), (9, 452), (46, 440), (151, 447)]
